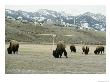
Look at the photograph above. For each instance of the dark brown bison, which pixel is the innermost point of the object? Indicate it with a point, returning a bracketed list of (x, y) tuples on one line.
[(73, 48), (13, 47), (60, 50), (99, 50), (85, 50), (58, 53)]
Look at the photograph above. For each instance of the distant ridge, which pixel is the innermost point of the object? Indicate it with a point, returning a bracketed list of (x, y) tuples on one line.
[(87, 20)]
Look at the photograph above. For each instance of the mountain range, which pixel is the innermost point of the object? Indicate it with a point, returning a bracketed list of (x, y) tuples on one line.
[(87, 20)]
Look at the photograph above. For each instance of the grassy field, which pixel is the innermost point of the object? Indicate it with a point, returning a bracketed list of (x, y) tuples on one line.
[(38, 59)]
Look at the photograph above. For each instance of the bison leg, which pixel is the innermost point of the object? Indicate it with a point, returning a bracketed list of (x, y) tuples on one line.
[(60, 55), (86, 53), (98, 52), (14, 51), (17, 49), (83, 52), (65, 53), (101, 52), (75, 50)]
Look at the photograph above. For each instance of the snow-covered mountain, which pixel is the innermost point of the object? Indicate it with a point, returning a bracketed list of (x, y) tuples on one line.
[(83, 21)]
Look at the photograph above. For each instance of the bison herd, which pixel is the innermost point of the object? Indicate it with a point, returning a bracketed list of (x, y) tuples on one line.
[(60, 49)]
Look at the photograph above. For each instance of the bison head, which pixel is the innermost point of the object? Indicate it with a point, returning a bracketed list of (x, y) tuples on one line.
[(9, 50), (55, 54)]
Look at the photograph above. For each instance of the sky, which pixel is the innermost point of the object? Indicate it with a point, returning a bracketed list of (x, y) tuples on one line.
[(69, 9)]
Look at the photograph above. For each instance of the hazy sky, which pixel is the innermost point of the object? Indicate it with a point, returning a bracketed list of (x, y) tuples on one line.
[(69, 9)]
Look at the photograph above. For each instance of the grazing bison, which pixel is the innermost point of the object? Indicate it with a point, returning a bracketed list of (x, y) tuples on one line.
[(73, 48), (13, 47), (58, 53), (85, 49), (60, 50), (99, 49)]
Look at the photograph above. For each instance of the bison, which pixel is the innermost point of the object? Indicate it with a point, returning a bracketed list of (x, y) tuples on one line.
[(58, 53), (60, 50), (13, 47), (85, 49), (73, 48), (99, 49)]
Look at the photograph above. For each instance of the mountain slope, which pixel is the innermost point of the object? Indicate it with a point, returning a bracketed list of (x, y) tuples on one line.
[(30, 33)]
